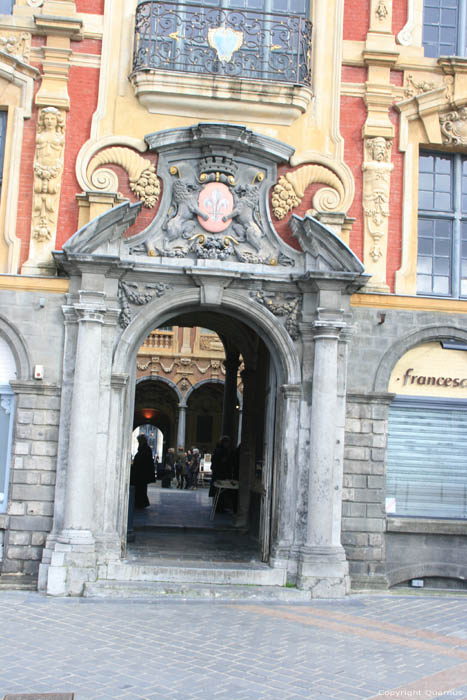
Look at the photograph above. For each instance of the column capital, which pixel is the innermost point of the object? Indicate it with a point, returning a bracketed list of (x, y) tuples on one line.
[(291, 391), (316, 330)]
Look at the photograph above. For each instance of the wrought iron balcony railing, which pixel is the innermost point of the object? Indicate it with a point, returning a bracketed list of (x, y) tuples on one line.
[(216, 41)]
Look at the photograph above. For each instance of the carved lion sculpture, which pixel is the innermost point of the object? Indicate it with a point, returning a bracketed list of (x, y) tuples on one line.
[(185, 205), (246, 205)]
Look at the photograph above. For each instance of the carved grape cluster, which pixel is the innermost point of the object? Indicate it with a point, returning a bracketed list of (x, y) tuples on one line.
[(147, 187), (284, 198)]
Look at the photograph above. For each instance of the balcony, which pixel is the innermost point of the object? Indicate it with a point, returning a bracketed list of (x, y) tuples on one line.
[(195, 56)]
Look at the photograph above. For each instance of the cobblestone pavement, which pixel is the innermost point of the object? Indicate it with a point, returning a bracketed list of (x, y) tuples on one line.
[(366, 646)]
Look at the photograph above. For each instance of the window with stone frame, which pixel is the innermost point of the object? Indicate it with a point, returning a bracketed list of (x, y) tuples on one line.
[(444, 27), (442, 225)]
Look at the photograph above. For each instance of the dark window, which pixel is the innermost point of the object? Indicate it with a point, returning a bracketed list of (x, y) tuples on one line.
[(442, 225), (444, 27)]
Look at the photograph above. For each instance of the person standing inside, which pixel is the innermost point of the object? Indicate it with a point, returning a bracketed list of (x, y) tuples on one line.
[(169, 469), (195, 462), (180, 467), (142, 472)]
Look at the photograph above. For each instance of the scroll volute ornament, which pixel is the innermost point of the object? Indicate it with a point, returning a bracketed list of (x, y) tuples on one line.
[(454, 127), (141, 173), (48, 168), (290, 189)]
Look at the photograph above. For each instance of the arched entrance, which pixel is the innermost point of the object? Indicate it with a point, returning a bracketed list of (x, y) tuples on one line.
[(210, 409)]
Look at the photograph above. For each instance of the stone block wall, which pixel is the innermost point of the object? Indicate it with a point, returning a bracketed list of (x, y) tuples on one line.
[(32, 478), (363, 507)]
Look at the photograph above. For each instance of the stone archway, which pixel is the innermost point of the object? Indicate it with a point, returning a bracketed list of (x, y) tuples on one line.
[(295, 302)]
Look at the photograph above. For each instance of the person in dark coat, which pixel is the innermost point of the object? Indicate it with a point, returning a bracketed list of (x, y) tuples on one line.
[(142, 472), (169, 469), (222, 468)]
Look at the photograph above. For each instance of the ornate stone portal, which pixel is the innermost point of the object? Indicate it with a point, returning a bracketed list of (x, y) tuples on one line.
[(296, 314)]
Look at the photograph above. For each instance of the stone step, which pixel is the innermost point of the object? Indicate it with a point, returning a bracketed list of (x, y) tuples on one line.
[(17, 582), (160, 590), (223, 573)]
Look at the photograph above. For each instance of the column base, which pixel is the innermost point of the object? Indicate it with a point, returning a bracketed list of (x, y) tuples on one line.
[(72, 564), (324, 571)]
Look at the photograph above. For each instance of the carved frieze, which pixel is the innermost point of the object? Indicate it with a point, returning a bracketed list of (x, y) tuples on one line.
[(17, 45), (48, 169), (282, 305), (290, 190), (376, 189), (414, 87), (454, 127), (128, 293), (141, 173)]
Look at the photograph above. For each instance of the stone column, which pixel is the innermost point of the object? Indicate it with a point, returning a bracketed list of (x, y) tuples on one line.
[(230, 395), (247, 449), (74, 560), (322, 566), (181, 430)]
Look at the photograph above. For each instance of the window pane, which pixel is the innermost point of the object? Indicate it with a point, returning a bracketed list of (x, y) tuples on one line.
[(424, 284), (425, 265), (425, 246), (6, 7), (441, 266), (441, 285)]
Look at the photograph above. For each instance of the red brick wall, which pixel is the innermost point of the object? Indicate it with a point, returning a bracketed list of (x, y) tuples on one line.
[(354, 74), (395, 206), (355, 27), (399, 15), (83, 89), (95, 7), (353, 116)]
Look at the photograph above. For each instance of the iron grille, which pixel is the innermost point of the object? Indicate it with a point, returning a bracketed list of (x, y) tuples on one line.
[(217, 41)]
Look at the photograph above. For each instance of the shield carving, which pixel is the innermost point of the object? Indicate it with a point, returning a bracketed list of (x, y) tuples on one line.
[(215, 201)]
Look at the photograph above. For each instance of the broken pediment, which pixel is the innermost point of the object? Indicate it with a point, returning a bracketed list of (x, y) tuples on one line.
[(324, 250)]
